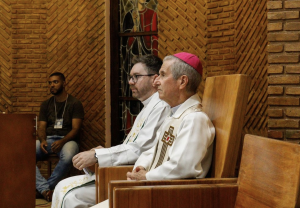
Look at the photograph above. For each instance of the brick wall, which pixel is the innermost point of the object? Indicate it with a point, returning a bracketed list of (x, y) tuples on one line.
[(229, 37), (284, 69), (220, 43), (39, 37)]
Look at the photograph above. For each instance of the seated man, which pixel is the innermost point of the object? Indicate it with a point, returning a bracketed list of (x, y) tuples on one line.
[(185, 139), (60, 120), (140, 138)]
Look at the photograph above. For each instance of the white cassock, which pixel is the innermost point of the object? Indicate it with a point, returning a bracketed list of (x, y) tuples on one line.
[(79, 191), (184, 146)]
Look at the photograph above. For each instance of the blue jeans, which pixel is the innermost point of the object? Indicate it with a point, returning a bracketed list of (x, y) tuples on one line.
[(68, 151)]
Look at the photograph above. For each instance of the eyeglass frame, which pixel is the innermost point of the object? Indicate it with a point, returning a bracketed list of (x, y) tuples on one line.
[(136, 77)]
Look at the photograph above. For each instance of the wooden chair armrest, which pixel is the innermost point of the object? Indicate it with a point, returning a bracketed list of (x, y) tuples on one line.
[(106, 174), (121, 183), (202, 195)]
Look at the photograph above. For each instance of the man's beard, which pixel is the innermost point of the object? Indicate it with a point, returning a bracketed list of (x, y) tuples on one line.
[(59, 91)]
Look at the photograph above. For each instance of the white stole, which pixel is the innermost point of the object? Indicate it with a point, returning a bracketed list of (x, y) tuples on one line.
[(169, 134)]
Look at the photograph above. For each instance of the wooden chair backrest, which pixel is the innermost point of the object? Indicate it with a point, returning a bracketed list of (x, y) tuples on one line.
[(225, 101), (269, 173)]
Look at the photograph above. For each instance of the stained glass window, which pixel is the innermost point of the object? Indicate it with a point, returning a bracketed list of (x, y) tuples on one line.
[(138, 36)]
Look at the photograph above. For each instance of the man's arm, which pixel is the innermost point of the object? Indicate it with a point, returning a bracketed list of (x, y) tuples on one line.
[(76, 125), (42, 135), (126, 154)]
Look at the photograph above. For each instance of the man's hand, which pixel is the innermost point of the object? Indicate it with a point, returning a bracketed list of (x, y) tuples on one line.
[(43, 146), (99, 147), (57, 145), (84, 159), (139, 173)]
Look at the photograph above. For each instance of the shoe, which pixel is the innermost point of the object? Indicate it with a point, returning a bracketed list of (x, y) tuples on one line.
[(38, 195), (48, 195)]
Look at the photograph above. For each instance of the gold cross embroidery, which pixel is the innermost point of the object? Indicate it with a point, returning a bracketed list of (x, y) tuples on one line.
[(168, 137)]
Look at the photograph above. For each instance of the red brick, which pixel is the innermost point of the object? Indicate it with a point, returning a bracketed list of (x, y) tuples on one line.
[(25, 109), (215, 22), (284, 79), (229, 8), (274, 4), (34, 56), (17, 16), (212, 17), (293, 69), (212, 5), (19, 46), (224, 15), (292, 47), (292, 112), (24, 41), (275, 134), (283, 123), (24, 99), (292, 134), (275, 113), (33, 37), (292, 90), (228, 20), (283, 59), (283, 101), (224, 3), (275, 48), (283, 37), (224, 27), (283, 15), (275, 90), (18, 56), (275, 69), (24, 61), (33, 16), (292, 26), (274, 26), (292, 4), (217, 10), (229, 32)]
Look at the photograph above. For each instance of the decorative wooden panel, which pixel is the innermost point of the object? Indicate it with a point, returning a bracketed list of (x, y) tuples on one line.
[(251, 59)]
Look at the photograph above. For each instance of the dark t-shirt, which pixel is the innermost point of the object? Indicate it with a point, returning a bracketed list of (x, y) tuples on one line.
[(74, 109)]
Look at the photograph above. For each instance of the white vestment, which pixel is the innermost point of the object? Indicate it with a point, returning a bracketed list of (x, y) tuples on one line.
[(140, 139), (189, 134)]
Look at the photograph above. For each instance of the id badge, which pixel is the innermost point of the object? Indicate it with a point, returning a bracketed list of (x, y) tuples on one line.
[(58, 124)]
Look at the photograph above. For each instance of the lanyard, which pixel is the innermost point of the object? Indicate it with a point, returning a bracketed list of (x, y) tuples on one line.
[(64, 108)]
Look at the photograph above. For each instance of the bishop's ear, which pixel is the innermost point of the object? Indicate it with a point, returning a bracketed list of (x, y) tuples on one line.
[(183, 81)]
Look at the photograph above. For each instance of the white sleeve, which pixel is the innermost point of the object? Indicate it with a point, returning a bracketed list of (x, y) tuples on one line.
[(145, 159), (126, 154), (195, 135)]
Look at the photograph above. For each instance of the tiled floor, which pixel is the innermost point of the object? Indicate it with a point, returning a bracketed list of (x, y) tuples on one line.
[(42, 203)]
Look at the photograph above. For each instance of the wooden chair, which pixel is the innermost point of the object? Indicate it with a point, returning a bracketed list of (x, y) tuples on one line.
[(224, 101), (268, 177)]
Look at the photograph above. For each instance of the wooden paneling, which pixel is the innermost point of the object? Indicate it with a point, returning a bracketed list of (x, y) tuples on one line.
[(17, 153)]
